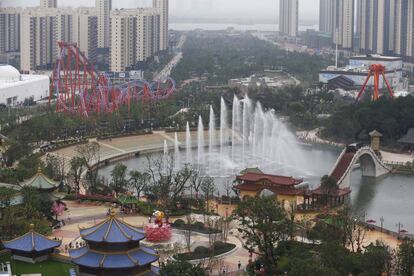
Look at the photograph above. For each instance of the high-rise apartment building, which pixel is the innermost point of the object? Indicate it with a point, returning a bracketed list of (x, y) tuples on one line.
[(135, 37), (403, 29), (289, 17), (343, 23), (41, 29), (376, 26), (162, 5), (326, 11), (85, 31), (104, 8), (10, 29), (48, 3)]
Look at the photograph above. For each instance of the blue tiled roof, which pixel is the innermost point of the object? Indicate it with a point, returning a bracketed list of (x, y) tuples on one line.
[(112, 230), (30, 242), (96, 259)]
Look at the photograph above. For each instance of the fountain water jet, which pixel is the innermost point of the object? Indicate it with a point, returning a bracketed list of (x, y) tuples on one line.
[(177, 157), (188, 143), (200, 142)]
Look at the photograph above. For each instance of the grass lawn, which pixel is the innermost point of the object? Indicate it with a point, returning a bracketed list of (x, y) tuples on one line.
[(46, 268)]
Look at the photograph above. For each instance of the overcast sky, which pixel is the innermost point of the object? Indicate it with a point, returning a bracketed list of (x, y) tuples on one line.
[(238, 9)]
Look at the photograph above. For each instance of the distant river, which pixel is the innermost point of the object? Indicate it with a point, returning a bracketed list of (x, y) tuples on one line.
[(239, 27)]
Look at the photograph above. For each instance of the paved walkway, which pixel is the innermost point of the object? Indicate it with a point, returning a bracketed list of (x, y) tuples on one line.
[(81, 215)]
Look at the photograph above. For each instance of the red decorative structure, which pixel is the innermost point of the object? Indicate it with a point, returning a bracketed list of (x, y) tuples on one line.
[(377, 70), (156, 233), (80, 89)]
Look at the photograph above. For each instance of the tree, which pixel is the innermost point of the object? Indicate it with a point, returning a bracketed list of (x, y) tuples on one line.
[(181, 268), (207, 187), (55, 167), (329, 187), (31, 202), (139, 181), (166, 185), (405, 258), (118, 175), (263, 224), (90, 154), (77, 166)]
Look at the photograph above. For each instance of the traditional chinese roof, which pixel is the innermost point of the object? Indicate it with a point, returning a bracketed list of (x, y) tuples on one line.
[(275, 180), (112, 230), (288, 190), (375, 133), (338, 192), (85, 256), (31, 242), (40, 181), (408, 138)]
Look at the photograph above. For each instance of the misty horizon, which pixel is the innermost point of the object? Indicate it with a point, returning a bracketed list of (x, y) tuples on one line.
[(226, 11)]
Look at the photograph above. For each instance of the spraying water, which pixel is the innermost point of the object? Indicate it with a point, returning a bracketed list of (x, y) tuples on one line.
[(188, 143), (177, 157), (200, 144)]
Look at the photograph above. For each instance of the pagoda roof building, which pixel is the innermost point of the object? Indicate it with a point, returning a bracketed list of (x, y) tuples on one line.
[(32, 246), (113, 248), (41, 182), (112, 230)]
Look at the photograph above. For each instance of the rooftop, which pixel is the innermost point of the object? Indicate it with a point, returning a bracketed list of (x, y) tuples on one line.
[(273, 179), (85, 256), (408, 138), (40, 181), (112, 230), (31, 242)]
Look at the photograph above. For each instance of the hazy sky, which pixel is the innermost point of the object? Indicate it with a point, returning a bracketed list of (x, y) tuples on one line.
[(239, 9)]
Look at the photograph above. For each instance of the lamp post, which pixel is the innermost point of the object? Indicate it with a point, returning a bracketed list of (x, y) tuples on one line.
[(382, 223)]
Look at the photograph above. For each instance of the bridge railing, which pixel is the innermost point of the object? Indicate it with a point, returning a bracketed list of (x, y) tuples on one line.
[(357, 155)]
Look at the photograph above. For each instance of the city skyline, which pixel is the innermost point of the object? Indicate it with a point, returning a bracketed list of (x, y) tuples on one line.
[(266, 10)]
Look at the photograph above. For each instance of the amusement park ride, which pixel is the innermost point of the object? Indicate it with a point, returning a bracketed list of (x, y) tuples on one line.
[(377, 70), (79, 89)]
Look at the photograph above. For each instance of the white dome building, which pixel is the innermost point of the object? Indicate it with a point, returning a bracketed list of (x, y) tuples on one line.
[(9, 74), (15, 87)]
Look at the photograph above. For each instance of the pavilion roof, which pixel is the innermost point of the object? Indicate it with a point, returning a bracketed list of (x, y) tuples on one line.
[(31, 242), (40, 181), (112, 230), (85, 256), (337, 192), (408, 138), (276, 180), (284, 190)]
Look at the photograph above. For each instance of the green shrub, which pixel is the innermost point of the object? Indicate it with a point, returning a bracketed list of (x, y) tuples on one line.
[(198, 225), (179, 223), (201, 251)]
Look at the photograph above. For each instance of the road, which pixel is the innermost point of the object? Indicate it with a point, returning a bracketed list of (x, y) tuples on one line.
[(166, 71)]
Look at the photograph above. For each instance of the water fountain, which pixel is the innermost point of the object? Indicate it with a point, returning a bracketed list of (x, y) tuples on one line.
[(200, 142), (177, 157), (188, 143), (165, 157)]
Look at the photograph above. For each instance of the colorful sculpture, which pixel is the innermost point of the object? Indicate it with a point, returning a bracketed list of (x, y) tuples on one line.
[(159, 231)]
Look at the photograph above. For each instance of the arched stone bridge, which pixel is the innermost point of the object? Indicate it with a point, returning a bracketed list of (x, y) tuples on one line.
[(371, 165)]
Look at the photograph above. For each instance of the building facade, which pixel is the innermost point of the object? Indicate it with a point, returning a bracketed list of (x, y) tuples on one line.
[(10, 29), (326, 10), (289, 17), (104, 8), (162, 5), (48, 3), (343, 23), (376, 26), (135, 37), (41, 29), (85, 31)]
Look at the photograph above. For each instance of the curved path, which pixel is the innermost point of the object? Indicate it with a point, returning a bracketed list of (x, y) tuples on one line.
[(88, 214)]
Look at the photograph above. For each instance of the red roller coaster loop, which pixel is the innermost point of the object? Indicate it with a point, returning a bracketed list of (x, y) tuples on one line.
[(80, 89)]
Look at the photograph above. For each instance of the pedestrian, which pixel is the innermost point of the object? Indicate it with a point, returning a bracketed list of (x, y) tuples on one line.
[(239, 265), (149, 219), (224, 271)]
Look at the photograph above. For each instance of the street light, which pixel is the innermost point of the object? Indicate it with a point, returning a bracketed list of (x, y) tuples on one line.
[(382, 223)]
